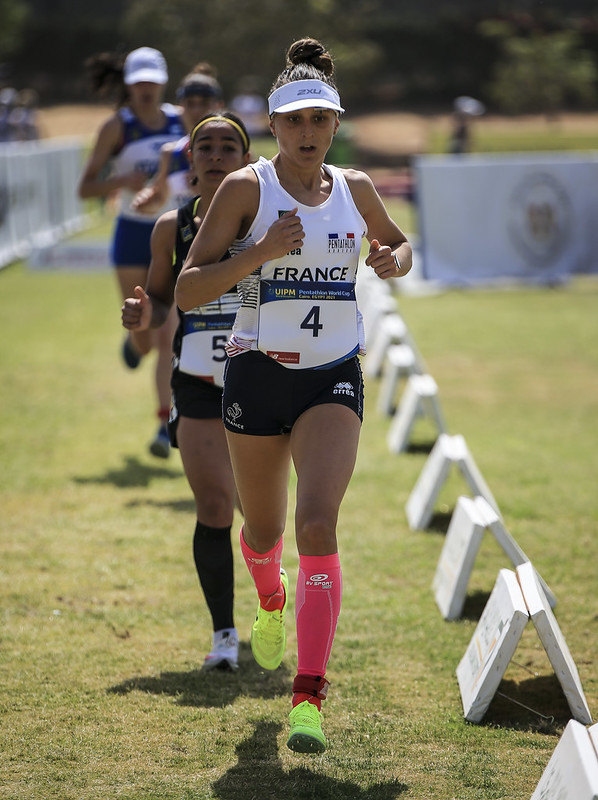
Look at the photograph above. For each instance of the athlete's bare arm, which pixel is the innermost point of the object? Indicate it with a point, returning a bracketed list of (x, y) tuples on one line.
[(385, 236), (204, 277)]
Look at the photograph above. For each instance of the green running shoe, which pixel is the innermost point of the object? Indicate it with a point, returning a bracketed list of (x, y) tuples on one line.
[(268, 636), (306, 734)]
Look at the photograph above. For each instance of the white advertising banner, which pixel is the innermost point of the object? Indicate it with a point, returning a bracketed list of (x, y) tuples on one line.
[(513, 217)]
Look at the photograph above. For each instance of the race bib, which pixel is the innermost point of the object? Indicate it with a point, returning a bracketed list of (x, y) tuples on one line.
[(307, 324), (202, 346)]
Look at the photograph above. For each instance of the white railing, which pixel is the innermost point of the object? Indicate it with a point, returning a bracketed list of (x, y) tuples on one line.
[(38, 195)]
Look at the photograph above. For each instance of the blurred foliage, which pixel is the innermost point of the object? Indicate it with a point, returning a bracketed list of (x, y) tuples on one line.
[(542, 72), (389, 53), (13, 16)]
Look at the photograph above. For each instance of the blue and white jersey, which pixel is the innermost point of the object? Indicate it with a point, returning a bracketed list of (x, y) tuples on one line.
[(301, 309), (141, 151), (180, 191)]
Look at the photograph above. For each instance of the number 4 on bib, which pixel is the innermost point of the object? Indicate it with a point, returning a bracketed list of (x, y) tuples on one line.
[(312, 321)]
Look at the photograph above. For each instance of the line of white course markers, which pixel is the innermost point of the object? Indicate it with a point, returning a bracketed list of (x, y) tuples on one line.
[(408, 393)]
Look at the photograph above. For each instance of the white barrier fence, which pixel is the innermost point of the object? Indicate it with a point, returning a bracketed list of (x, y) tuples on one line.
[(38, 195), (513, 217)]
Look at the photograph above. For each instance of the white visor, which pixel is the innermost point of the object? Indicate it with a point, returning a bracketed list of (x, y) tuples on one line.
[(303, 94)]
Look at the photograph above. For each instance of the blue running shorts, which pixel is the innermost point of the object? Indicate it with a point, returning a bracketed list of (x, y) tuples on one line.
[(131, 243)]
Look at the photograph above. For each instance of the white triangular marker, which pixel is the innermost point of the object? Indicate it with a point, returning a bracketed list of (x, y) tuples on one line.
[(554, 642), (447, 451), (572, 772), (470, 519)]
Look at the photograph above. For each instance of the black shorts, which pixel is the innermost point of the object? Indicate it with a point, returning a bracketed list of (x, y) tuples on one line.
[(263, 398), (193, 398)]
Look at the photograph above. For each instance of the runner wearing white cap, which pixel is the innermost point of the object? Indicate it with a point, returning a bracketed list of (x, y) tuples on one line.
[(219, 144), (292, 388), (124, 158)]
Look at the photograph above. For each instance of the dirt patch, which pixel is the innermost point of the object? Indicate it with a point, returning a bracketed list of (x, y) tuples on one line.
[(75, 120), (390, 132), (402, 133)]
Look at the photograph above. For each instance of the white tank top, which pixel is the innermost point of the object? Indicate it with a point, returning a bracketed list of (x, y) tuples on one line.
[(301, 309)]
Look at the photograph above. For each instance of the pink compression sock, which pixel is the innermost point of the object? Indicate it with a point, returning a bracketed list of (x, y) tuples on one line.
[(317, 606), (264, 568)]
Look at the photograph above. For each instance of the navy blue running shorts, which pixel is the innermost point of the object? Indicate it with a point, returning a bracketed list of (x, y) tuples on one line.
[(263, 398), (131, 243), (193, 398)]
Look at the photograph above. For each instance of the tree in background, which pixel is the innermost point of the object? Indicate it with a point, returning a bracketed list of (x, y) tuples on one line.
[(389, 53), (250, 37), (542, 72), (13, 16)]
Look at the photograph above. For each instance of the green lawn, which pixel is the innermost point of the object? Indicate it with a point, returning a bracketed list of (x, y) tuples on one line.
[(103, 627)]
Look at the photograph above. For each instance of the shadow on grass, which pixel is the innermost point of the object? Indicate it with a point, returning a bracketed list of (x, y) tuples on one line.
[(133, 473), (535, 704), (420, 447), (474, 605), (187, 505), (259, 774), (440, 521), (214, 689)]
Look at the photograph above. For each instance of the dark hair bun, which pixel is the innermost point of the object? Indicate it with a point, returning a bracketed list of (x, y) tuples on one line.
[(105, 71), (310, 51)]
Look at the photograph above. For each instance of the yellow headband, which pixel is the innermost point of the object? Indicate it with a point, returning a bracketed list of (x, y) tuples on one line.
[(219, 118)]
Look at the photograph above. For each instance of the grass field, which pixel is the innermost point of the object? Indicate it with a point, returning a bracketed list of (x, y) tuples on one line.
[(104, 629)]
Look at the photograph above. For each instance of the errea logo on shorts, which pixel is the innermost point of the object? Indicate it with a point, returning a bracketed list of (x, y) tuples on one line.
[(344, 387), (319, 580), (232, 414)]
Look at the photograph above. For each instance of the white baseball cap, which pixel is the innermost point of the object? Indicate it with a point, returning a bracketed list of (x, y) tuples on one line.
[(304, 94), (145, 65), (469, 106)]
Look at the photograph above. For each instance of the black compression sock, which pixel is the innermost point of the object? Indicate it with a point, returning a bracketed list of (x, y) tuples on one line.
[(213, 555)]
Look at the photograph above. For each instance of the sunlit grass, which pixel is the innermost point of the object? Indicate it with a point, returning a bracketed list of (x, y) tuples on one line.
[(103, 626)]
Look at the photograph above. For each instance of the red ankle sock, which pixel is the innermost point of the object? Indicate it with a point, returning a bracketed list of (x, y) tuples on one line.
[(312, 688), (273, 602)]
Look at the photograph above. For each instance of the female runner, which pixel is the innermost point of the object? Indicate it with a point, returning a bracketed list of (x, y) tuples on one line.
[(293, 389), (199, 93), (219, 144), (124, 158)]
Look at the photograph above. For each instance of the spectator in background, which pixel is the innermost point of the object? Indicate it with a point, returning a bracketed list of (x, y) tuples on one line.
[(23, 117), (464, 108), (8, 101), (251, 106), (124, 158)]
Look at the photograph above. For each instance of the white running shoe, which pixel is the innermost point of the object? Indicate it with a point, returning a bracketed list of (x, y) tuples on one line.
[(225, 651)]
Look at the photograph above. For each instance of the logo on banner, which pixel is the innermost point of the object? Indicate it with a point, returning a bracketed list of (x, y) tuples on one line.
[(540, 218)]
